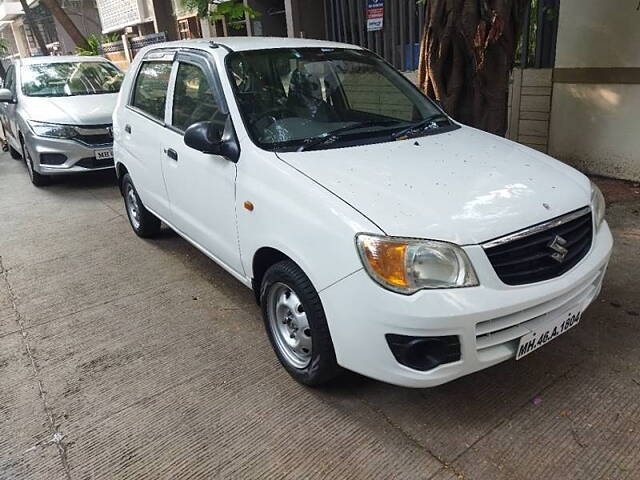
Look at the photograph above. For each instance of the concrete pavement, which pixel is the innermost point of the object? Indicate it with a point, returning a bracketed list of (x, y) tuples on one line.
[(126, 358)]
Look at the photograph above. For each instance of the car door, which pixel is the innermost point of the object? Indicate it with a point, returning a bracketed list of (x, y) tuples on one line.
[(143, 127), (8, 112), (201, 186)]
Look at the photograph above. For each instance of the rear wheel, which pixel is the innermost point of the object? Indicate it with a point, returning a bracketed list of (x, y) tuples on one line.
[(37, 179), (296, 325), (144, 223)]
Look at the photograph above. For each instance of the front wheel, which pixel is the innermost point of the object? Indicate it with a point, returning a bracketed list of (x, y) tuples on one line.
[(15, 154), (144, 223), (296, 325), (36, 178)]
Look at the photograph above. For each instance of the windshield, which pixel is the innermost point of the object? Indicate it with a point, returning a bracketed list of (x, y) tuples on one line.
[(67, 79), (291, 99)]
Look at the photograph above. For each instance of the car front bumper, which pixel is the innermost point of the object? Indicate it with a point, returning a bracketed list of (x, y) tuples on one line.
[(488, 320), (79, 157)]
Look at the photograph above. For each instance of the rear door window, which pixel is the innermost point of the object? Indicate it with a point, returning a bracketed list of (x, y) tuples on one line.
[(150, 91)]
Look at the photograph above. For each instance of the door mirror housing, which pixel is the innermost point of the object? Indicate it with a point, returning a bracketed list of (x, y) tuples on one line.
[(6, 96), (210, 138)]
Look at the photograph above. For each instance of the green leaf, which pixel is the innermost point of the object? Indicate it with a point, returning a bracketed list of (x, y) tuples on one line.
[(93, 44), (228, 10)]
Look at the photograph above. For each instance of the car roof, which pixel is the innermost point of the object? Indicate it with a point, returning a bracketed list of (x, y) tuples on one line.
[(253, 43), (60, 59)]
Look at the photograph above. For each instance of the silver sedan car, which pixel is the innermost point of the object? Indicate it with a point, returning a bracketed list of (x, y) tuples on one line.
[(56, 114)]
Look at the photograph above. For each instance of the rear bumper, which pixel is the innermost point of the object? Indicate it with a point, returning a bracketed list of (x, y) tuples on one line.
[(488, 320), (79, 157)]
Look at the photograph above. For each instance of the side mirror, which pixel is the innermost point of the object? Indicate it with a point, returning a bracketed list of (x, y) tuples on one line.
[(6, 95), (210, 138)]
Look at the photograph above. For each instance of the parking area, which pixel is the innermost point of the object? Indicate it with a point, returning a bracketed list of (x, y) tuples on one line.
[(126, 358)]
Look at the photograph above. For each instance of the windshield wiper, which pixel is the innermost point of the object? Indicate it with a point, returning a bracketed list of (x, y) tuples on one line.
[(427, 123), (333, 135)]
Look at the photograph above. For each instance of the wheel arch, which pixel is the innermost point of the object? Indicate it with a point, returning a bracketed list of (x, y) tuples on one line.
[(263, 259), (121, 171)]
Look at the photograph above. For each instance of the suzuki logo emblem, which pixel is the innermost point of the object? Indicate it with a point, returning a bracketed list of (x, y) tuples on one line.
[(558, 246)]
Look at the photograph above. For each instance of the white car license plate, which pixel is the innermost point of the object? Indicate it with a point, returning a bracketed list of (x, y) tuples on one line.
[(105, 154), (547, 331)]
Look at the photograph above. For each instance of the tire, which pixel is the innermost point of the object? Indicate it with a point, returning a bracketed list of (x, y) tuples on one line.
[(144, 223), (37, 179), (295, 320), (15, 154)]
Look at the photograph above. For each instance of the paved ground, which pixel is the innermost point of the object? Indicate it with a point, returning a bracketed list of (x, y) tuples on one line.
[(124, 358)]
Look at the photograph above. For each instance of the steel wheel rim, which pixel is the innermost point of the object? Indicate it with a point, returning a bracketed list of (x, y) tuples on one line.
[(133, 209), (289, 325)]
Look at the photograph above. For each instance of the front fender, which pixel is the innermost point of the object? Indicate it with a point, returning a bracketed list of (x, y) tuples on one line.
[(293, 214)]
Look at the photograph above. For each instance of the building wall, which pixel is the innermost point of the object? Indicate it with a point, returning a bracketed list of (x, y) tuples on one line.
[(7, 36), (596, 93), (272, 21), (306, 19), (86, 18)]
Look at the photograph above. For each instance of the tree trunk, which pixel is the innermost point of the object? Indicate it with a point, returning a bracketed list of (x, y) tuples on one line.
[(466, 57), (66, 22), (37, 34)]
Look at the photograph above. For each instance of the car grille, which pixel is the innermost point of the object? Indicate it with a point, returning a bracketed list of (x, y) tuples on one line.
[(506, 330), (94, 135), (543, 251), (93, 163)]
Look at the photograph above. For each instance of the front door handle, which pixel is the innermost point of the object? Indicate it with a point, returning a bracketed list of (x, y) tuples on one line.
[(172, 154), (127, 128)]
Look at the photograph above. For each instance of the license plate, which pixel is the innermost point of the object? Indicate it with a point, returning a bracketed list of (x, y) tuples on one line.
[(546, 331), (105, 154)]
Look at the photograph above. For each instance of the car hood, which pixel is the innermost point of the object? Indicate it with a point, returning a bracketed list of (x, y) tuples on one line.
[(464, 186), (74, 110)]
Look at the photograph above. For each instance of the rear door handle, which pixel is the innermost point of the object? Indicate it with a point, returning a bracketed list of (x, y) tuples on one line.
[(127, 128), (172, 154)]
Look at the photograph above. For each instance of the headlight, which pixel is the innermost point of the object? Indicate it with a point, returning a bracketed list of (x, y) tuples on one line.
[(53, 130), (598, 205), (406, 265)]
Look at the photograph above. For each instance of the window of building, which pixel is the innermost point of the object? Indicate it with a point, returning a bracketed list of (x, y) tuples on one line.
[(189, 28)]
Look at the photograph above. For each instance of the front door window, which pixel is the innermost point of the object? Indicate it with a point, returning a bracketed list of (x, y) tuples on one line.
[(193, 99)]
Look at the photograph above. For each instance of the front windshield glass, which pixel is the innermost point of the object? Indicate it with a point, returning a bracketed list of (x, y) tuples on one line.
[(68, 79), (293, 98)]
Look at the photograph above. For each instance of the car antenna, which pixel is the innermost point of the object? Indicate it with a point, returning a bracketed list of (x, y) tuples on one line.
[(214, 44)]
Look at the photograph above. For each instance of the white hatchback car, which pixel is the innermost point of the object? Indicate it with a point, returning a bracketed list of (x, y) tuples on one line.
[(378, 234)]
